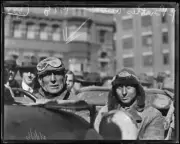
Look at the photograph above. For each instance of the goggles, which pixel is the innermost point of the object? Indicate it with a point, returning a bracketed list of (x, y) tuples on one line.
[(52, 61)]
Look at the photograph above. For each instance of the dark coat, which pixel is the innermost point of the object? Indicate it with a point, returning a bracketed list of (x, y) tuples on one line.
[(14, 84)]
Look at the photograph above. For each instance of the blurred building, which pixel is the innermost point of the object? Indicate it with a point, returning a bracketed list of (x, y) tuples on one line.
[(145, 42), (42, 33)]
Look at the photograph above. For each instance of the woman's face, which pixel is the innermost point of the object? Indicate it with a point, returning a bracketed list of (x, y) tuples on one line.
[(126, 94), (70, 81)]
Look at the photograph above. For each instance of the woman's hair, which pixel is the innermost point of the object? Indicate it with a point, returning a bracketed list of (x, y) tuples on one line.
[(70, 73)]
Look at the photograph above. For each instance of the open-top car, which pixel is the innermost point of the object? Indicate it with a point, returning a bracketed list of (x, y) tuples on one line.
[(70, 119)]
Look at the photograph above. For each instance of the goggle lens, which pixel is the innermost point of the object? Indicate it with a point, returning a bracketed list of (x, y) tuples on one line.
[(50, 61)]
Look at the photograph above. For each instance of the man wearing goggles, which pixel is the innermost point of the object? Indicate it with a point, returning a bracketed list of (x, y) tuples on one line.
[(51, 77), (127, 94)]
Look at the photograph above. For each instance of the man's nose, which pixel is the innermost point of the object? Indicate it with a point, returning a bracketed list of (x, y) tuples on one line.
[(53, 77), (124, 92)]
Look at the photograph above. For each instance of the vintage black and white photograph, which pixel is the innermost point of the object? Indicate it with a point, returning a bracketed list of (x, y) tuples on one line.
[(89, 72)]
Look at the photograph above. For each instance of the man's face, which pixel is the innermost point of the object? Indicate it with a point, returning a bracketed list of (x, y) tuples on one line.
[(12, 74), (69, 81), (52, 82), (28, 77), (126, 94)]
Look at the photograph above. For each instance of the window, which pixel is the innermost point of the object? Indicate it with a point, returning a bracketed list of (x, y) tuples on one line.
[(147, 60), (43, 32), (6, 24), (146, 21), (127, 24), (128, 62), (102, 36), (83, 12), (165, 37), (128, 43), (109, 37), (103, 55), (56, 34), (19, 29), (165, 58), (78, 11), (147, 40), (164, 17), (80, 35), (103, 65), (31, 31)]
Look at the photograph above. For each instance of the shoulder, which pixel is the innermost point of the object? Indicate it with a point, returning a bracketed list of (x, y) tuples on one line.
[(37, 94), (150, 113)]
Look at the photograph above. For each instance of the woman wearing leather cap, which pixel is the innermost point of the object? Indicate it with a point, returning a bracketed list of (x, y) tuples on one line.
[(127, 94)]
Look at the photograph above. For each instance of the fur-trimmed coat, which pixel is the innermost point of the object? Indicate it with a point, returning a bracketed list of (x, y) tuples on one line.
[(150, 120)]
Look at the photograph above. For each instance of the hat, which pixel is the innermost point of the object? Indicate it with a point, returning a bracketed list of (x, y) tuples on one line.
[(50, 64), (145, 80), (27, 62), (10, 62), (127, 76), (160, 76)]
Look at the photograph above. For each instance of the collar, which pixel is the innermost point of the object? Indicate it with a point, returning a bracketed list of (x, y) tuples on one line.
[(132, 110), (26, 87)]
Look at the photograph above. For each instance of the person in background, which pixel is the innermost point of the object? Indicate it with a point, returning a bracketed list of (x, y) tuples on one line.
[(12, 70), (8, 94), (160, 80), (127, 94), (70, 81), (28, 73)]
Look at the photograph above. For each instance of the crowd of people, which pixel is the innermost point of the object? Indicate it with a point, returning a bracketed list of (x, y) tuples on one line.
[(49, 79), (46, 79)]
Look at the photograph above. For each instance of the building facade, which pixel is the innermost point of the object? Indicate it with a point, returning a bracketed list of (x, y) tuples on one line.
[(44, 33), (144, 42)]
